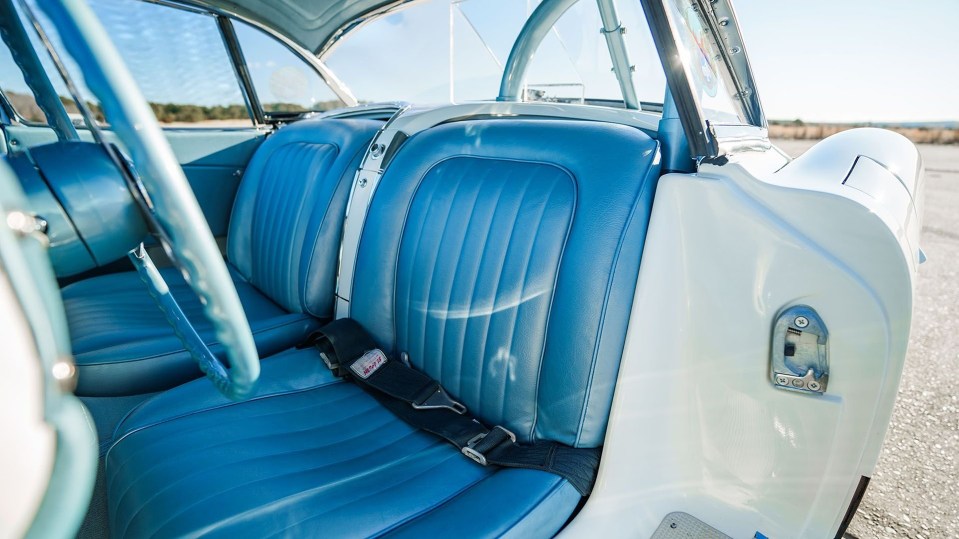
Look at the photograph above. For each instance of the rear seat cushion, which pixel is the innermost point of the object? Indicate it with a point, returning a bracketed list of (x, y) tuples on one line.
[(502, 257), (288, 217)]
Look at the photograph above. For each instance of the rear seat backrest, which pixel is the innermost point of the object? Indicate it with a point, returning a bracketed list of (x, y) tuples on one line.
[(288, 216), (502, 257)]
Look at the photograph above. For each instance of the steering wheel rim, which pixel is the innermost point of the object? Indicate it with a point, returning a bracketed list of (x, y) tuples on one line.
[(172, 202)]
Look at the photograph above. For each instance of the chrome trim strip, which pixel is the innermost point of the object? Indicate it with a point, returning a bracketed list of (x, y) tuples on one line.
[(614, 31), (240, 69)]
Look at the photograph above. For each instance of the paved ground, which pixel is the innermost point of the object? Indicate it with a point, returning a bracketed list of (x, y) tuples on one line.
[(915, 490)]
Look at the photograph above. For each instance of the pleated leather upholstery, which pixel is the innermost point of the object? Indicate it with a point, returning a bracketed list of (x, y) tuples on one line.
[(123, 345), (283, 247), (502, 257), (513, 274), (288, 217)]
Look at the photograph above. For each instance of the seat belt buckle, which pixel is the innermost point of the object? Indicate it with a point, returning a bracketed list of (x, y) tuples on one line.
[(440, 399), (478, 456)]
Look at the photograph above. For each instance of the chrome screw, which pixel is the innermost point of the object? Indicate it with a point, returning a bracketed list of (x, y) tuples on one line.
[(802, 321), (814, 386), (782, 380), (362, 182)]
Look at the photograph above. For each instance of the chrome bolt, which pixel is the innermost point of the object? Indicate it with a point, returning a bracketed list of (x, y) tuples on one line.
[(362, 183), (782, 380), (377, 150), (801, 321), (735, 50), (724, 22), (798, 383), (814, 386)]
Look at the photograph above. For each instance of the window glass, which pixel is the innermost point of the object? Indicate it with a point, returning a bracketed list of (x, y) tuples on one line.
[(443, 51), (15, 89), (437, 51), (283, 82), (24, 101), (178, 59), (702, 60), (59, 85), (573, 63)]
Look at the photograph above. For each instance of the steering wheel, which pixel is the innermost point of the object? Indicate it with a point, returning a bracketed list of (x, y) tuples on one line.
[(167, 200)]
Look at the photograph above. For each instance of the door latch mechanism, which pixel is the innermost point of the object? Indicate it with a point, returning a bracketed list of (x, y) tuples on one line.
[(799, 360)]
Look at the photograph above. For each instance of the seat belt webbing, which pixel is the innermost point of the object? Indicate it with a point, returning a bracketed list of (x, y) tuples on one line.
[(422, 402)]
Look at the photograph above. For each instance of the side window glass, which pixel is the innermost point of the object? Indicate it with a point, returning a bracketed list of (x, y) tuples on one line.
[(283, 82), (18, 95), (708, 76), (52, 74), (179, 60), (176, 56)]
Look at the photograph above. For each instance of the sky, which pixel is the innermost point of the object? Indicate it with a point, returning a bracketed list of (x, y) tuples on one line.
[(854, 60), (816, 60)]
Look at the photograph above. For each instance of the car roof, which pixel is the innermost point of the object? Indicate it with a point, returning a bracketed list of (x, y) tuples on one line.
[(311, 24)]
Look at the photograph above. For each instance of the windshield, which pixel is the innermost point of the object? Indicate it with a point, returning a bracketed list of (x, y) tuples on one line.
[(448, 51)]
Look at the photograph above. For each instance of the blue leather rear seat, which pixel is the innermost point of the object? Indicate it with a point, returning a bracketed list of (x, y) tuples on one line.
[(282, 245), (502, 256)]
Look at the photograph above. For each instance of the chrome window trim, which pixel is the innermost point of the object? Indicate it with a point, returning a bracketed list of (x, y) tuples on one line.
[(241, 70), (722, 23), (706, 140)]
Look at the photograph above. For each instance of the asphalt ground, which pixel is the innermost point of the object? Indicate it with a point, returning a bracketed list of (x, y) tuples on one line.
[(914, 491)]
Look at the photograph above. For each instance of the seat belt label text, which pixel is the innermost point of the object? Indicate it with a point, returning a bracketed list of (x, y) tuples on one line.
[(369, 363)]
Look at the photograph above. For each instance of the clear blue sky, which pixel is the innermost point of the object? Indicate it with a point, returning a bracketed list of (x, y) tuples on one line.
[(818, 60), (854, 60)]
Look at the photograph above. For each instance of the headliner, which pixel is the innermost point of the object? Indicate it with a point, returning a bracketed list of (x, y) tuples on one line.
[(311, 24)]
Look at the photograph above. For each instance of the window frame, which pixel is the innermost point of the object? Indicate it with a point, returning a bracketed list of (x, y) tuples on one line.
[(708, 140)]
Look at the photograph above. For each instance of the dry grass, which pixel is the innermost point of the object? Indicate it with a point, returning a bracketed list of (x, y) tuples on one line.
[(919, 135)]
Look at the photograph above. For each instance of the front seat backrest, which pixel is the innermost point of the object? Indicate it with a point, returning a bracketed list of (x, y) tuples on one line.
[(288, 216), (501, 256)]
